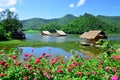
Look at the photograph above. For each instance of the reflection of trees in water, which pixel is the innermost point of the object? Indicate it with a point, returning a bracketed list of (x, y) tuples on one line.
[(45, 38), (61, 39)]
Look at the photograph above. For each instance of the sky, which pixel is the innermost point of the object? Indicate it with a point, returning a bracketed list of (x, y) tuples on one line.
[(49, 9)]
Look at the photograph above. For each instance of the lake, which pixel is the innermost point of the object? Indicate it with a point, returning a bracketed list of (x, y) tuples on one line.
[(70, 37), (38, 37), (53, 51)]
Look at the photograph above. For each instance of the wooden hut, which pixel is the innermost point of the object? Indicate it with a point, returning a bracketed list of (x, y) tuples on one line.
[(45, 33), (93, 35), (60, 33)]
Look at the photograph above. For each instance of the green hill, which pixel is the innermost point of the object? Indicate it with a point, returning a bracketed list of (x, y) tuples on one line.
[(72, 24), (35, 23)]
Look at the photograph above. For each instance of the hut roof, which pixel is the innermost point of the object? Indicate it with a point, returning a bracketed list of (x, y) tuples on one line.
[(91, 34), (60, 32), (46, 32)]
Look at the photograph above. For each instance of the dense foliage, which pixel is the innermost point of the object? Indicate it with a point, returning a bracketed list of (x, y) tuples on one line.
[(52, 26), (112, 20), (75, 25), (46, 67), (8, 24), (88, 22), (39, 23)]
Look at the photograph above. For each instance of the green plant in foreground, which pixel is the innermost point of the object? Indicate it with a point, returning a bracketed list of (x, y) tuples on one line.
[(45, 67)]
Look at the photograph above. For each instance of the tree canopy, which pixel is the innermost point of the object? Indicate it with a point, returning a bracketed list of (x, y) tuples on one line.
[(9, 22), (88, 22)]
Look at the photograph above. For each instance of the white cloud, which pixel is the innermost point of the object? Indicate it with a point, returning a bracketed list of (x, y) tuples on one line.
[(1, 9), (80, 3), (12, 9), (71, 5), (7, 3)]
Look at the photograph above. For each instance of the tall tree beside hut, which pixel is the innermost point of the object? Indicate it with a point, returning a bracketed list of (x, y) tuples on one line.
[(10, 22)]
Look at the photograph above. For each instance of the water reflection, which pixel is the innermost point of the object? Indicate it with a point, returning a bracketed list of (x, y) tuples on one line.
[(61, 39), (38, 37), (48, 50)]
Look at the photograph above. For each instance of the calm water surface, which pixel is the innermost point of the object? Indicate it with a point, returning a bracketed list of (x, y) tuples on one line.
[(38, 37), (53, 51)]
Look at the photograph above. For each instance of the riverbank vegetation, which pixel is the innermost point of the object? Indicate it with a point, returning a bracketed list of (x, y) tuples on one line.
[(9, 25), (45, 67), (67, 46)]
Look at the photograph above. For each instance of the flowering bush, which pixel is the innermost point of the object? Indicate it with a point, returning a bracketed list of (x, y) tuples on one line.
[(42, 68)]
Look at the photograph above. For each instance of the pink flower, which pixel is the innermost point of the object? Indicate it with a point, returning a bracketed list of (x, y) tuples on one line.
[(28, 65), (50, 77), (37, 61), (69, 69), (106, 68), (79, 73), (6, 65), (105, 76), (45, 74), (47, 55), (2, 62), (29, 55), (114, 77), (34, 79), (25, 77), (43, 54), (14, 57), (40, 57), (75, 63), (59, 67), (101, 61), (53, 62), (59, 71), (114, 69), (0, 52)]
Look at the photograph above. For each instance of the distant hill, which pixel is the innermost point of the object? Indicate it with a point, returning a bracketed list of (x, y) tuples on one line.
[(34, 23), (114, 20), (72, 24)]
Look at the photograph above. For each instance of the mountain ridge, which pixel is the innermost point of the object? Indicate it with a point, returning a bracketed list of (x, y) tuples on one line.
[(35, 23)]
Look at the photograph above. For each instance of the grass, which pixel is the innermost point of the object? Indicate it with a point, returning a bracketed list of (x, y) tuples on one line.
[(64, 45), (67, 46), (32, 31)]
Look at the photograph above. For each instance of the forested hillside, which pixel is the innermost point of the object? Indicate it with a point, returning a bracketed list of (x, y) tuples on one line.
[(37, 23), (112, 20), (75, 25)]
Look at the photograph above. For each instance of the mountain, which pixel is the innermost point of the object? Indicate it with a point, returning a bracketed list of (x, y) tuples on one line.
[(72, 24), (114, 20), (34, 23)]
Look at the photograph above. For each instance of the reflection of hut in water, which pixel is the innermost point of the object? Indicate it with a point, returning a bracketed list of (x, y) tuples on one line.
[(60, 33), (17, 34), (45, 33), (93, 36)]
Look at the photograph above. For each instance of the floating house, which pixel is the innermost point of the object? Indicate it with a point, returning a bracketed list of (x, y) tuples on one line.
[(93, 35), (60, 33), (45, 33)]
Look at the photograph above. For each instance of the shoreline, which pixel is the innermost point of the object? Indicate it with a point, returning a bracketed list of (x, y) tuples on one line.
[(87, 53)]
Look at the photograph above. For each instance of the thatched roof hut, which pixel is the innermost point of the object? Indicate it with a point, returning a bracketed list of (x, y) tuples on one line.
[(45, 33), (93, 35), (60, 33)]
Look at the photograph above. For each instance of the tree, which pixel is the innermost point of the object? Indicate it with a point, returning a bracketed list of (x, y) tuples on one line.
[(10, 22)]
